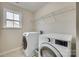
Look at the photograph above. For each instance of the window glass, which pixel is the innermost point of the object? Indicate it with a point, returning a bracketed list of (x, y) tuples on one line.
[(9, 15), (16, 24), (12, 19), (9, 23), (16, 16)]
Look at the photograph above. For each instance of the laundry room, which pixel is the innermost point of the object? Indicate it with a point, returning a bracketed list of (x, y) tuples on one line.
[(25, 25)]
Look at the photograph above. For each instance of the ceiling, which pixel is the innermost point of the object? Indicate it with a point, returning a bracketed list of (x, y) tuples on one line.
[(31, 6)]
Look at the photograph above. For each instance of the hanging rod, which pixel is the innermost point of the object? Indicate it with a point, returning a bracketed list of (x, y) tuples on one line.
[(58, 12)]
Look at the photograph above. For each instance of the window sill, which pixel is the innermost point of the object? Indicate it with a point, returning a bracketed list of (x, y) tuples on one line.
[(12, 28)]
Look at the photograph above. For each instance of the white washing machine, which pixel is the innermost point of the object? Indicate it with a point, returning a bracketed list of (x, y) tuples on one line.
[(55, 45), (30, 43)]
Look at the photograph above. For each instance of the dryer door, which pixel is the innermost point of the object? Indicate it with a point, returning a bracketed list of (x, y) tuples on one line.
[(48, 50), (24, 42)]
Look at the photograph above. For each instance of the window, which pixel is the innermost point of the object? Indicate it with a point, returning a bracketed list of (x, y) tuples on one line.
[(12, 19)]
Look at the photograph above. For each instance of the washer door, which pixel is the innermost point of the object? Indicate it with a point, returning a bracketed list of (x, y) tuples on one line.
[(48, 50)]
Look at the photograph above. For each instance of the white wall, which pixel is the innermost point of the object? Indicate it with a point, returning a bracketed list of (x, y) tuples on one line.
[(64, 22), (12, 38), (51, 7)]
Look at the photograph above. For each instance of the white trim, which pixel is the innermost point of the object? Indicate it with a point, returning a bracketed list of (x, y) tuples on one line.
[(9, 51)]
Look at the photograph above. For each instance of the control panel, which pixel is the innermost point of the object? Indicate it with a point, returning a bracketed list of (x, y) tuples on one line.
[(61, 42)]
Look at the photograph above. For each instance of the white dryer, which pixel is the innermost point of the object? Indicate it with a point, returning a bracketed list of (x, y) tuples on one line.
[(30, 43), (55, 45)]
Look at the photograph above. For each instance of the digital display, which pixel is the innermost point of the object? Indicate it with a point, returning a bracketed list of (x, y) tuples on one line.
[(61, 42)]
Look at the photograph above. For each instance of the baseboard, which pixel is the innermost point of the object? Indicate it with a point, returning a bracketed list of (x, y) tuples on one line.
[(9, 51)]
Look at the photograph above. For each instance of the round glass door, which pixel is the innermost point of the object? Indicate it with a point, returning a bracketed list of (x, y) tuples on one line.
[(46, 52)]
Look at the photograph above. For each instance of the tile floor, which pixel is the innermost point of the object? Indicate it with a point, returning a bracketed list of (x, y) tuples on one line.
[(18, 53)]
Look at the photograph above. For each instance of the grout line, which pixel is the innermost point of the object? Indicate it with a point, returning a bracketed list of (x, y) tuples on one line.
[(9, 51)]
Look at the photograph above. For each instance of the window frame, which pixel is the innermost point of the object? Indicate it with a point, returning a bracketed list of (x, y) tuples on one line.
[(4, 19)]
